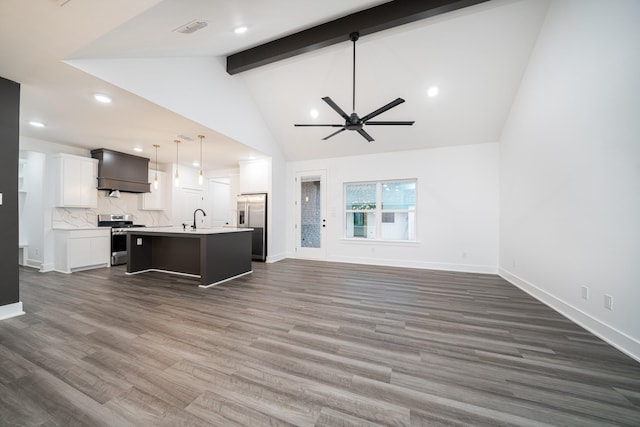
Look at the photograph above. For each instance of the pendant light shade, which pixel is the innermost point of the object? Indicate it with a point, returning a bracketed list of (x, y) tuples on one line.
[(201, 175), (177, 177), (155, 180)]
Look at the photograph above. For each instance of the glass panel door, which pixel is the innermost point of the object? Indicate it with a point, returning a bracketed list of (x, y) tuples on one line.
[(310, 215)]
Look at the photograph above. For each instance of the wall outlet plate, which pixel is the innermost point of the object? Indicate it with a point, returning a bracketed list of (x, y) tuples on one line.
[(139, 241), (608, 302), (585, 292)]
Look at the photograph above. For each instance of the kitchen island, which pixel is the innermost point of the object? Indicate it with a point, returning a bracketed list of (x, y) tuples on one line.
[(214, 255)]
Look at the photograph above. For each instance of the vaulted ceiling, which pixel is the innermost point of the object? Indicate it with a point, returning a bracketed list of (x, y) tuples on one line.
[(475, 56)]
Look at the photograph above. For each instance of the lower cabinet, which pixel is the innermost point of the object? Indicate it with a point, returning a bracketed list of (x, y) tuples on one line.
[(82, 249)]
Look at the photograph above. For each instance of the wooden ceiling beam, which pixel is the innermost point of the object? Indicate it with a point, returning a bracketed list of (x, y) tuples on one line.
[(368, 21)]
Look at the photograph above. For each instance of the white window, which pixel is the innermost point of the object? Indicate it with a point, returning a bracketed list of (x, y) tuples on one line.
[(383, 210)]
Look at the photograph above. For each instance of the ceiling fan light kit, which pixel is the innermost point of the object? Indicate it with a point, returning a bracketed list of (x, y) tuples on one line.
[(353, 121)]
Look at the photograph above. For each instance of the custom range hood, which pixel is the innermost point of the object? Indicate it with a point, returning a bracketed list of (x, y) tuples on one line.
[(121, 172)]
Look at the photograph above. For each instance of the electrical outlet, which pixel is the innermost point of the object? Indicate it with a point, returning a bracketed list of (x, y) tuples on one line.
[(464, 255), (608, 302), (585, 292), (139, 241)]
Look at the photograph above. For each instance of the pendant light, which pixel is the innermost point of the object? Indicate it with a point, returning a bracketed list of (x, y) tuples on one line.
[(155, 180), (177, 178), (201, 176)]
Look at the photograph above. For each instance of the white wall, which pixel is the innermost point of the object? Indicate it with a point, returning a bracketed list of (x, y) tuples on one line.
[(457, 213), (570, 169)]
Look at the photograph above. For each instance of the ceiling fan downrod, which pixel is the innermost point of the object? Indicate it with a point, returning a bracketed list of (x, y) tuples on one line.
[(354, 38)]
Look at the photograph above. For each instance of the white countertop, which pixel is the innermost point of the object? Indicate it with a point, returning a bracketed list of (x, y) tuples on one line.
[(81, 227), (189, 230)]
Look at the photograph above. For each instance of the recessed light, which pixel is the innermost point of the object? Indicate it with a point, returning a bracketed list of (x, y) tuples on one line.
[(433, 91), (314, 113), (102, 98), (196, 164), (36, 124), (137, 149), (240, 30)]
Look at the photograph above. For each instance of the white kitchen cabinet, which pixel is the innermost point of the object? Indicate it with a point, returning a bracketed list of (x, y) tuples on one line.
[(82, 249), (76, 181), (156, 200)]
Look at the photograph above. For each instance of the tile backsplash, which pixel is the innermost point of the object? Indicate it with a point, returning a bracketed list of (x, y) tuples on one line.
[(128, 203)]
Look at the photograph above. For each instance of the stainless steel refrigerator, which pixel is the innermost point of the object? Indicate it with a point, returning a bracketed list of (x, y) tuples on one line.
[(252, 213)]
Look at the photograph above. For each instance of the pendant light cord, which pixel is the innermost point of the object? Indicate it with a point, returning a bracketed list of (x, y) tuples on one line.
[(156, 147), (177, 160)]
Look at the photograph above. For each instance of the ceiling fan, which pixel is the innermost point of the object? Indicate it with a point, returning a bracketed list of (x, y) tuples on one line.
[(353, 121)]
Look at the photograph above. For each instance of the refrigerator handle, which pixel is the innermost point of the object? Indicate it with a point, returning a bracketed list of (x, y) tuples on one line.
[(248, 219)]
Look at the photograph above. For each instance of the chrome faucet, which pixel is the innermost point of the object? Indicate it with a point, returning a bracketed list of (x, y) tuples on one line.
[(194, 217)]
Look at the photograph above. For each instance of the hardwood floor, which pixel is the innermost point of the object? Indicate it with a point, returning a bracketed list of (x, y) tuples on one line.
[(303, 343)]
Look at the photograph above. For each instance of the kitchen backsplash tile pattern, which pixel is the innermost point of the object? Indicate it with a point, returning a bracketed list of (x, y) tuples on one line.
[(128, 203)]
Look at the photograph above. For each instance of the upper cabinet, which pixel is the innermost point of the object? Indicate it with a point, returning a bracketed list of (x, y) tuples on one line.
[(76, 181), (156, 200), (255, 176)]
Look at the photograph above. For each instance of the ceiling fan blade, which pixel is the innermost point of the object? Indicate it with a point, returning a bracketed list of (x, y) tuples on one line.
[(365, 135), (391, 123), (333, 126), (335, 133), (383, 109), (335, 107)]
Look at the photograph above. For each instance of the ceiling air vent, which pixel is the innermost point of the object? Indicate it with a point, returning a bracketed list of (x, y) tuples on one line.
[(61, 2), (191, 27)]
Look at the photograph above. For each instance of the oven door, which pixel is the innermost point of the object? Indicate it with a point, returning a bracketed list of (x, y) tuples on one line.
[(118, 247)]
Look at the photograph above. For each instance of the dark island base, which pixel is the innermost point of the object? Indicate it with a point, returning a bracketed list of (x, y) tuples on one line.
[(215, 258)]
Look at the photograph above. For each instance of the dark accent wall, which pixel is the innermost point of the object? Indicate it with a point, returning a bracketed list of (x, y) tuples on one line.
[(9, 147)]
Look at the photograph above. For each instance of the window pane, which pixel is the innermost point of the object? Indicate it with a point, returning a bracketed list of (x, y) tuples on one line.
[(398, 195), (310, 221), (361, 224), (359, 197), (398, 228)]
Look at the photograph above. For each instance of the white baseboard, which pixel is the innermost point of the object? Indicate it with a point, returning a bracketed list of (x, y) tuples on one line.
[(45, 268), (425, 265), (618, 339), (33, 263), (275, 258), (8, 311)]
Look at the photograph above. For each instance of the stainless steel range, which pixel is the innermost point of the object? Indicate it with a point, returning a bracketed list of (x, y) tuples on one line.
[(119, 224)]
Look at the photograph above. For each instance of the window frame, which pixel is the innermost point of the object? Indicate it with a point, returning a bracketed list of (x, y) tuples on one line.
[(378, 212)]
